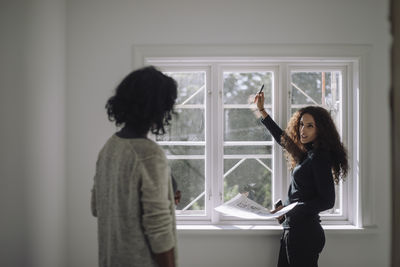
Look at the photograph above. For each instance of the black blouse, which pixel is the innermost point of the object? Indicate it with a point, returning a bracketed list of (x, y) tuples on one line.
[(311, 183)]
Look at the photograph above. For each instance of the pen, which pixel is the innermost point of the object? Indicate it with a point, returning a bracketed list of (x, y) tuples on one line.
[(262, 87)]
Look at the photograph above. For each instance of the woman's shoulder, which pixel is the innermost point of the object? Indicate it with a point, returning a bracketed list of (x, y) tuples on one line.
[(143, 148), (146, 148)]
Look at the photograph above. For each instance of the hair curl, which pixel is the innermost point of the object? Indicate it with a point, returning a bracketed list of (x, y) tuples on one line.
[(327, 139), (143, 100)]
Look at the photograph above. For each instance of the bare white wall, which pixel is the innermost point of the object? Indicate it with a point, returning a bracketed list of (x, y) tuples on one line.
[(99, 40), (44, 132), (13, 234), (32, 112)]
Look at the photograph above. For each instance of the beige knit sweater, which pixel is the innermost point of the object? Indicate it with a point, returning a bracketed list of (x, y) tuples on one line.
[(133, 201)]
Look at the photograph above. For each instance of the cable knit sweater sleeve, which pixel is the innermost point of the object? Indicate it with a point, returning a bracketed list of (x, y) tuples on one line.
[(156, 203)]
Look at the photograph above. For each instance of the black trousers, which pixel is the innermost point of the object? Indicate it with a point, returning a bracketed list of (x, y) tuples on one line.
[(301, 246)]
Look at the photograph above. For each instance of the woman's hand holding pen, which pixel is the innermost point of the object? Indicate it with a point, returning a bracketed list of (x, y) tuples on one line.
[(259, 100)]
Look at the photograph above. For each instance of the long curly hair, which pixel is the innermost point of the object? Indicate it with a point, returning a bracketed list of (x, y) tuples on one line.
[(327, 139), (143, 100)]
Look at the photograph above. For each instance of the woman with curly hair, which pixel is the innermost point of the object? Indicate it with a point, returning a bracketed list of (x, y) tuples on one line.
[(132, 196), (317, 160)]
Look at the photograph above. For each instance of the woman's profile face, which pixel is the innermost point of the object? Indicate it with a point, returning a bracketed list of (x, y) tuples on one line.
[(307, 129)]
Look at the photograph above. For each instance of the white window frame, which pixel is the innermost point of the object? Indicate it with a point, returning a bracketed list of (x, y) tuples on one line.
[(350, 60)]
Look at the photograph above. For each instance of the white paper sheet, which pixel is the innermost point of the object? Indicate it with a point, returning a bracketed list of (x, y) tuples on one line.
[(243, 207)]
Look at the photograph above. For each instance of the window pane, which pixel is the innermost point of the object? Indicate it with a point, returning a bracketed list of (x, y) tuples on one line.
[(244, 125), (241, 121), (188, 122), (239, 86), (186, 125), (189, 175), (323, 89), (248, 175), (191, 86), (186, 157), (317, 88)]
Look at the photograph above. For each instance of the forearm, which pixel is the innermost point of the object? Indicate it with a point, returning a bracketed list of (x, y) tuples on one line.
[(272, 127), (158, 224), (165, 259), (157, 207)]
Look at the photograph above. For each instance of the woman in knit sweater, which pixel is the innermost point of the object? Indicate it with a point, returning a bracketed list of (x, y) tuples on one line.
[(132, 196)]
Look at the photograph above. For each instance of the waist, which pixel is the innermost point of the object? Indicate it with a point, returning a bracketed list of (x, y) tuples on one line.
[(301, 221)]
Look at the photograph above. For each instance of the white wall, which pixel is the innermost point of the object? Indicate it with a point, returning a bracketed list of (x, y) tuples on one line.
[(44, 133), (99, 39), (13, 209), (32, 110)]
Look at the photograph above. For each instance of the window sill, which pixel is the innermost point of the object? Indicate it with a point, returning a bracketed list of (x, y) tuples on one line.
[(266, 229)]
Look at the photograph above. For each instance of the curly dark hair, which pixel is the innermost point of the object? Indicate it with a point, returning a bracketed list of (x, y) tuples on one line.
[(143, 100), (327, 139)]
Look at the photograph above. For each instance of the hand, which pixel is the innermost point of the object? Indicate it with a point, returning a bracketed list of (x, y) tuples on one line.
[(259, 99), (280, 218), (178, 196), (165, 259)]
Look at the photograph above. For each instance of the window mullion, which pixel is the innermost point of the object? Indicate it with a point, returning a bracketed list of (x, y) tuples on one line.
[(216, 148), (209, 139), (345, 125), (353, 189), (282, 111)]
